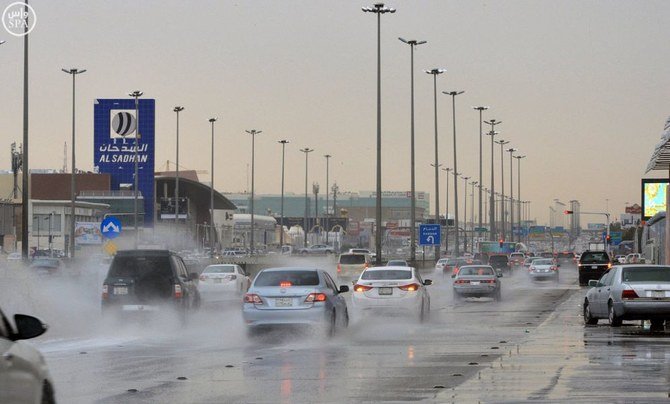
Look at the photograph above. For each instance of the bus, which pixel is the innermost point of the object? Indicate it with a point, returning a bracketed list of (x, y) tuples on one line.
[(653, 239)]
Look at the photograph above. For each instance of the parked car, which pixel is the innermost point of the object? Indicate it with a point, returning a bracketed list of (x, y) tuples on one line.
[(477, 281), (543, 268), (14, 256), (141, 281), (220, 280), (24, 376), (351, 265), (392, 290), (631, 292), (592, 265), (317, 249), (295, 296)]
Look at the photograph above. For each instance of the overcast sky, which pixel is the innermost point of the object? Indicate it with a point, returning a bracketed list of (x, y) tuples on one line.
[(581, 88)]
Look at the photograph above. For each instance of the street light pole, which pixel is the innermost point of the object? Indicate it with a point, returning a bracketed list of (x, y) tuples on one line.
[(327, 156), (412, 43), (177, 109), (511, 151), (281, 233), (502, 143), (25, 191), (306, 150), (481, 179), (379, 9), (465, 214), (472, 216), (211, 196), (435, 72), (446, 214), (73, 181), (492, 211), (253, 133), (136, 94), (453, 95), (518, 189)]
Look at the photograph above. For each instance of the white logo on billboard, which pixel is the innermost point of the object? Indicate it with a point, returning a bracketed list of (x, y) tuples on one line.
[(19, 18), (122, 124)]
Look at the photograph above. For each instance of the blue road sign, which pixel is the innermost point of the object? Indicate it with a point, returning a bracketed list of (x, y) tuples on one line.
[(110, 227), (430, 234)]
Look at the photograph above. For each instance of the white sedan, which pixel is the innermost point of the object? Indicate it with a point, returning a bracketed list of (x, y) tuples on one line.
[(392, 290), (218, 281)]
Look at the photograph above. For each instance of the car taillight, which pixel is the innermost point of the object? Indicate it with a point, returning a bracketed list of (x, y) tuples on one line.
[(284, 284), (361, 288), (315, 297), (177, 292), (412, 287), (105, 291), (609, 265), (339, 268), (462, 281), (232, 277), (488, 281), (553, 268), (252, 298), (532, 267), (629, 294)]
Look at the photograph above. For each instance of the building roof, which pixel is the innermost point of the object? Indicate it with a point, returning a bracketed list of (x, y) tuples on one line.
[(660, 159), (196, 191)]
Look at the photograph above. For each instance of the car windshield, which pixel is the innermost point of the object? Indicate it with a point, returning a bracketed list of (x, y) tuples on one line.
[(287, 277), (483, 270), (543, 262), (219, 269), (140, 267), (349, 259), (646, 274), (397, 263), (595, 258), (386, 274)]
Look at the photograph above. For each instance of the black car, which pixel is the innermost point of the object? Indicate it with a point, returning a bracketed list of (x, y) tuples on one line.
[(499, 262), (592, 265), (147, 281)]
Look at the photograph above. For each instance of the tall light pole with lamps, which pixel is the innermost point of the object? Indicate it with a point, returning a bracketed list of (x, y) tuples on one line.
[(511, 151), (518, 190), (472, 216), (412, 43), (435, 72), (177, 110), (453, 95), (327, 156), (211, 196), (446, 214), (379, 9), (502, 143), (492, 210), (73, 180), (253, 133), (481, 109), (306, 150), (283, 152), (136, 94), (465, 214)]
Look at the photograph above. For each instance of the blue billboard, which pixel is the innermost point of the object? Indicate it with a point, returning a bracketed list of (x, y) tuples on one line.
[(115, 142)]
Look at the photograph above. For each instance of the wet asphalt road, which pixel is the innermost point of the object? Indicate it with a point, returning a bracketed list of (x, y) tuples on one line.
[(531, 346)]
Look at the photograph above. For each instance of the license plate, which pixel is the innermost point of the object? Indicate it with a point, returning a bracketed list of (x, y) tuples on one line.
[(284, 302), (120, 290), (594, 266), (217, 280), (474, 282), (657, 293), (385, 291)]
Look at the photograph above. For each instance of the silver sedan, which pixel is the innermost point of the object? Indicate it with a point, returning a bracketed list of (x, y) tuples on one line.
[(630, 292), (295, 296), (477, 281), (543, 268)]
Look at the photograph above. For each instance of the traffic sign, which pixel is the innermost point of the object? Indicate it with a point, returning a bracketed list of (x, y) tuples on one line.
[(430, 234), (110, 227)]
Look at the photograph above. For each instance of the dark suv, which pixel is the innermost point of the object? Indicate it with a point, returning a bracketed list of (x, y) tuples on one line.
[(499, 262), (141, 281), (592, 265)]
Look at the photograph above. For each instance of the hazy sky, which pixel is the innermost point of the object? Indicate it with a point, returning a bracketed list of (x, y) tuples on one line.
[(581, 88)]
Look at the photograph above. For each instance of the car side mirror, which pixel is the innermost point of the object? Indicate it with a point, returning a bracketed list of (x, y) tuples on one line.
[(593, 283), (427, 282), (193, 276), (344, 289), (28, 327)]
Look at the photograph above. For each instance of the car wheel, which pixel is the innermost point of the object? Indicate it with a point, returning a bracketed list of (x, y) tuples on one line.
[(345, 323), (498, 295), (422, 314), (303, 253), (588, 318), (331, 328), (48, 394), (614, 320)]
